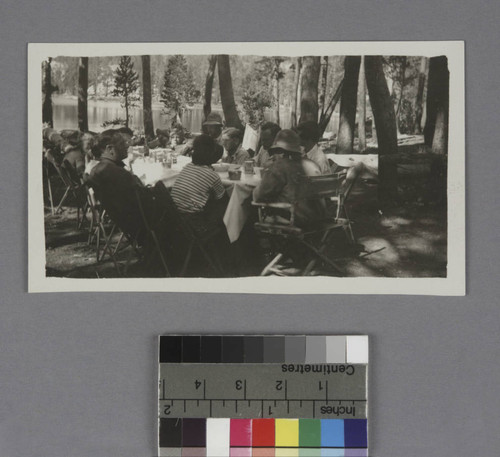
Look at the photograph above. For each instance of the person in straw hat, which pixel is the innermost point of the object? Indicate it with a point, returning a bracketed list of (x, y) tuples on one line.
[(282, 181)]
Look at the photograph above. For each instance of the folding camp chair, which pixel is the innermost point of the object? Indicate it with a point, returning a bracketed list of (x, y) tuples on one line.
[(73, 186), (314, 238), (152, 220), (181, 229), (47, 175), (97, 229)]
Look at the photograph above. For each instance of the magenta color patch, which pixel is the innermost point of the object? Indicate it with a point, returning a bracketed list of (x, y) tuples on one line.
[(241, 452), (241, 432)]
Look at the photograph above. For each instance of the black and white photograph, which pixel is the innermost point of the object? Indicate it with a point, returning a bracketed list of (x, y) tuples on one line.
[(309, 167)]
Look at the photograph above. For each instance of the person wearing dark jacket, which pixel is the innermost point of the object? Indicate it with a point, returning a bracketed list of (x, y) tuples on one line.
[(114, 186)]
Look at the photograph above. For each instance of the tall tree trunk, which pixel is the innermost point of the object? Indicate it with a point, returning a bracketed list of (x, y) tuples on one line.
[(362, 107), (295, 93), (382, 107), (330, 108), (97, 69), (385, 124), (309, 89), (209, 83), (276, 90), (147, 109), (324, 77), (126, 108), (419, 104), (437, 102), (401, 90), (348, 101), (226, 92), (47, 115), (440, 140), (83, 85)]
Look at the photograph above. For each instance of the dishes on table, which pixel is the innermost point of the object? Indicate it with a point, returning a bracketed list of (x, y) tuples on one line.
[(234, 175), (220, 167)]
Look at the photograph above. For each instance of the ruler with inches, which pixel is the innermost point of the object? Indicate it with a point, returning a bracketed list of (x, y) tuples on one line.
[(263, 396)]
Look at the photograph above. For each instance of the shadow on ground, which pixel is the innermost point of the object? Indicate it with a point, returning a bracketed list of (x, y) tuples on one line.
[(407, 239)]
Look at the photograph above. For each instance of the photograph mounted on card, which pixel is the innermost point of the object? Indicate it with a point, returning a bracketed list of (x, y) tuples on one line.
[(307, 167)]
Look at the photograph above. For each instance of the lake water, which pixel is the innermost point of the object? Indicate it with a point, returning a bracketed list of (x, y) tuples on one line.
[(65, 113)]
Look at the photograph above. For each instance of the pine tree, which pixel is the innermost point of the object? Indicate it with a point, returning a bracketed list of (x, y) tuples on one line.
[(178, 87), (126, 85)]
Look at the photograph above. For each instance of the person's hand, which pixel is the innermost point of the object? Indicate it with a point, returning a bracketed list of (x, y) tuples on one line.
[(131, 157)]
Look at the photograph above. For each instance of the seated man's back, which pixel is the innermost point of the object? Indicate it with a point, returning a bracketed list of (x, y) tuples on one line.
[(75, 157), (283, 183)]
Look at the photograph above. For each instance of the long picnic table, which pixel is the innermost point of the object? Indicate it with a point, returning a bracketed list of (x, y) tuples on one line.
[(240, 191)]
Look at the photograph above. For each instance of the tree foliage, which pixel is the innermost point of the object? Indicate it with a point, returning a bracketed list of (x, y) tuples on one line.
[(126, 84), (179, 90), (257, 92), (402, 73)]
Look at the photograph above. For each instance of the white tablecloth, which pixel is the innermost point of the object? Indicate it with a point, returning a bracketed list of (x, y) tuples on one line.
[(152, 172), (239, 206)]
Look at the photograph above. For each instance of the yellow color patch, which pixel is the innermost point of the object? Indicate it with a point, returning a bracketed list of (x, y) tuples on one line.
[(287, 432), (287, 452)]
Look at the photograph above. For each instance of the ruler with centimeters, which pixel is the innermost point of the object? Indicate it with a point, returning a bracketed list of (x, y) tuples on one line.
[(263, 396)]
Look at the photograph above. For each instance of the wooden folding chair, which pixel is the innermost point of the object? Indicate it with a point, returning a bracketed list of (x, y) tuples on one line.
[(314, 238)]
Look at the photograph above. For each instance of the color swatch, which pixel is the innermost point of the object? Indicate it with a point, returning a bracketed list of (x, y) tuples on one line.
[(219, 437), (264, 349), (263, 396)]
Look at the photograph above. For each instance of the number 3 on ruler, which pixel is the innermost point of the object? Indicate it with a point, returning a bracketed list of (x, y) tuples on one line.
[(239, 384)]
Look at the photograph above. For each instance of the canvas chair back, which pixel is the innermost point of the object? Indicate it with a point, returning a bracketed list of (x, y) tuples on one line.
[(319, 187)]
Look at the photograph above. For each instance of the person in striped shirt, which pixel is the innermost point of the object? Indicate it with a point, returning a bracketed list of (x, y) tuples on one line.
[(200, 196), (198, 192)]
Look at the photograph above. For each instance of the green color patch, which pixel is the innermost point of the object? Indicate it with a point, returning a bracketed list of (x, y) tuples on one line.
[(309, 433), (308, 452)]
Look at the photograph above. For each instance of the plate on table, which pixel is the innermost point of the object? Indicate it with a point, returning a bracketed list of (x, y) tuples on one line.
[(221, 167)]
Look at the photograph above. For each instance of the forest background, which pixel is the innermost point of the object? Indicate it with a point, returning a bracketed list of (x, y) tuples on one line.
[(264, 88)]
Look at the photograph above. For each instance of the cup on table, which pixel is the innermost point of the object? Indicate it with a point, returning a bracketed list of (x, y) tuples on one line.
[(234, 175), (248, 167)]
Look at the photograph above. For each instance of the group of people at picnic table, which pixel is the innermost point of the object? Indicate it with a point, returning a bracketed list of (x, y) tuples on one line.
[(284, 157)]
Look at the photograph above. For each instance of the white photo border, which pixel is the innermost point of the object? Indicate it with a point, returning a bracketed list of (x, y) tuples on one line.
[(453, 284)]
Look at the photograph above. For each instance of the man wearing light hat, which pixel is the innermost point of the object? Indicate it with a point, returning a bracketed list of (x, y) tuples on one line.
[(282, 181), (231, 140)]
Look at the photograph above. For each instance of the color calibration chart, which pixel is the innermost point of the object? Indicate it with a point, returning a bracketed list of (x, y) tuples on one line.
[(263, 396)]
